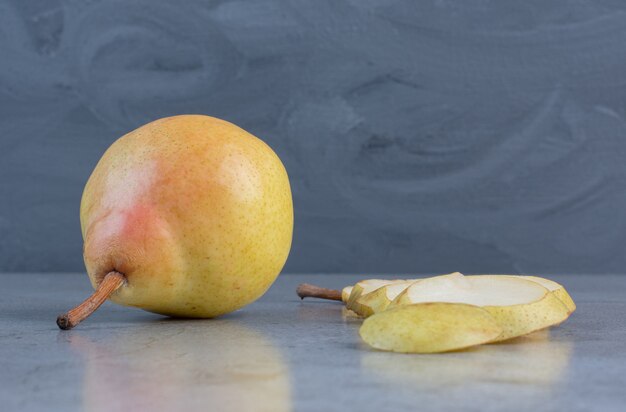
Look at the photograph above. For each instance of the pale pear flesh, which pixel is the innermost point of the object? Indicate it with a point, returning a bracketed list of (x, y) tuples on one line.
[(556, 289), (429, 328), (196, 212), (345, 293)]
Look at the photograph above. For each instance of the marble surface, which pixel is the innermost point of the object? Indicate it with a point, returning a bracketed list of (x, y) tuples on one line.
[(282, 354)]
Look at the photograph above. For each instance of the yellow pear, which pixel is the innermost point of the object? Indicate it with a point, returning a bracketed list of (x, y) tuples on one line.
[(190, 216), (429, 328), (519, 306)]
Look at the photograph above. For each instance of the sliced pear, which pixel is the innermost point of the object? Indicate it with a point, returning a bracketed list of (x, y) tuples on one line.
[(345, 293), (429, 328), (378, 300), (364, 287), (556, 289), (520, 306)]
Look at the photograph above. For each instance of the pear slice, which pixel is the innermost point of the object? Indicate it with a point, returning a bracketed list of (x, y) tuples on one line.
[(429, 328), (556, 289), (520, 306), (345, 293), (364, 287), (378, 300)]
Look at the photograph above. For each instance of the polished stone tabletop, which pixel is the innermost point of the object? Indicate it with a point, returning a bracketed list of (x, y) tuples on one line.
[(282, 354)]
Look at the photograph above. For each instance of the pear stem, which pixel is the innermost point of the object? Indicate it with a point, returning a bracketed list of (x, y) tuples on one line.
[(110, 283), (306, 290)]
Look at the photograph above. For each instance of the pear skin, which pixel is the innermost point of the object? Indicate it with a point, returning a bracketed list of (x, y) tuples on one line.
[(520, 320), (429, 328), (196, 213)]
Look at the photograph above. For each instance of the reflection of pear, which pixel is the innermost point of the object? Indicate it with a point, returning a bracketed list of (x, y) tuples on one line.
[(216, 365), (533, 360)]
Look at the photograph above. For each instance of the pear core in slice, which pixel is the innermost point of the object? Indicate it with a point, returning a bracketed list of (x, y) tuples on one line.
[(345, 293), (519, 306), (364, 287), (429, 328), (378, 300), (556, 289)]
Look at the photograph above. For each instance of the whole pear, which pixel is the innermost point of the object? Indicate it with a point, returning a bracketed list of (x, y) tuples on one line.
[(194, 211)]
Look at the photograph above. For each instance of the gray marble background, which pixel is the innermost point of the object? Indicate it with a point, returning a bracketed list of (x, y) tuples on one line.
[(480, 136)]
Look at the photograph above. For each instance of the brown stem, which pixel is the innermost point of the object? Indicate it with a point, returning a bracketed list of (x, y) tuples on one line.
[(311, 291), (111, 282)]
